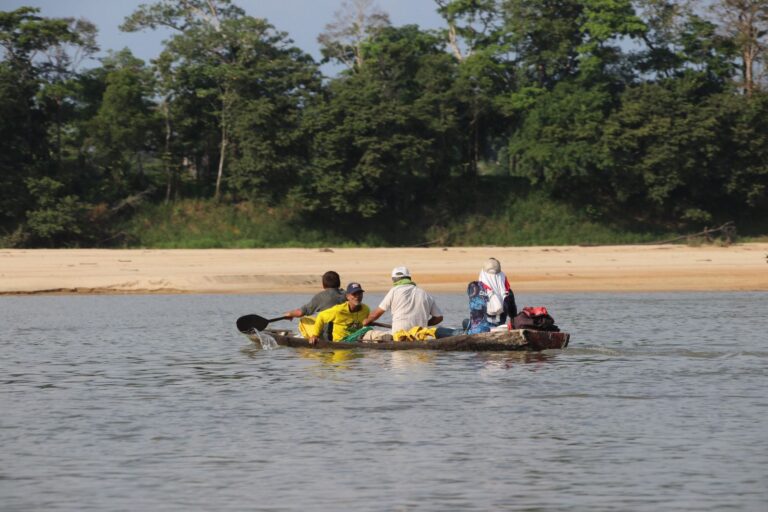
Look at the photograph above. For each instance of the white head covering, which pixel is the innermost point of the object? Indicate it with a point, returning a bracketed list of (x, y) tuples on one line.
[(492, 277), (492, 266)]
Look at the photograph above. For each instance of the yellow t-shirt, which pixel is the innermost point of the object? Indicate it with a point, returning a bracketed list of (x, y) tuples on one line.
[(344, 321)]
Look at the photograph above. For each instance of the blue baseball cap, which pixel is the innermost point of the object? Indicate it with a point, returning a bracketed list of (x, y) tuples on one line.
[(354, 288)]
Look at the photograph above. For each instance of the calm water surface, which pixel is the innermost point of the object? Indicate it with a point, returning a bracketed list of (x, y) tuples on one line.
[(155, 402)]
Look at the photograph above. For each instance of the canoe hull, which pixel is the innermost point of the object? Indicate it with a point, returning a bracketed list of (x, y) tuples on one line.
[(519, 339)]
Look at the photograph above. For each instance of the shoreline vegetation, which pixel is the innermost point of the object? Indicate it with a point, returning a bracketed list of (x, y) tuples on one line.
[(516, 220), (536, 269)]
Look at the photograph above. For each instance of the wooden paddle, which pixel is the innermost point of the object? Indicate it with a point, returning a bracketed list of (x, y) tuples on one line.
[(249, 323)]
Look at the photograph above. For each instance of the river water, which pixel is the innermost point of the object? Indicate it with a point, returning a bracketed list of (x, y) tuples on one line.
[(118, 403)]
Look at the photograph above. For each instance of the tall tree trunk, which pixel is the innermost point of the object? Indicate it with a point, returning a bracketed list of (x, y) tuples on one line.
[(476, 156), (58, 101), (475, 144), (454, 43), (748, 66), (140, 167), (167, 152), (226, 103), (746, 23), (221, 160)]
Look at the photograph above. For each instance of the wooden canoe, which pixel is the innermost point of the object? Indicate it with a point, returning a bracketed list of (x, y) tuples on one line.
[(520, 339)]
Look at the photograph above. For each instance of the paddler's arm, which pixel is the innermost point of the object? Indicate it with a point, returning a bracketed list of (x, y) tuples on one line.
[(375, 315), (435, 320), (317, 327), (435, 315), (294, 313)]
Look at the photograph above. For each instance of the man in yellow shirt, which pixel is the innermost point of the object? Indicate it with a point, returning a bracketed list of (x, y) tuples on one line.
[(347, 317)]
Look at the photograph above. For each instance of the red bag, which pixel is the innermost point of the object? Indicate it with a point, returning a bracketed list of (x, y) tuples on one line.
[(536, 318)]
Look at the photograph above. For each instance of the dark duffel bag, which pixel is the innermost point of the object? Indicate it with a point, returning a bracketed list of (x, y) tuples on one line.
[(537, 318)]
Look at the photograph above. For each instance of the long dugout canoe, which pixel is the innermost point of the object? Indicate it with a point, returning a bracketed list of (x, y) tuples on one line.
[(519, 339)]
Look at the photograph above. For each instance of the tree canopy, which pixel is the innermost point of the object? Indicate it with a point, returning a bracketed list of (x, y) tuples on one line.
[(648, 113)]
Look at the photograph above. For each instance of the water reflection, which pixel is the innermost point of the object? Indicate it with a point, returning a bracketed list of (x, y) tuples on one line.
[(338, 359), (335, 359), (344, 359), (410, 359), (252, 351), (507, 360)]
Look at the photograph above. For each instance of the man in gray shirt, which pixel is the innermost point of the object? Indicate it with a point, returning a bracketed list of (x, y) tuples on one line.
[(331, 295), (410, 305)]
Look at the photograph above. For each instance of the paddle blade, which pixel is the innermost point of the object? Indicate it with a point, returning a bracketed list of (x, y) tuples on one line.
[(249, 323)]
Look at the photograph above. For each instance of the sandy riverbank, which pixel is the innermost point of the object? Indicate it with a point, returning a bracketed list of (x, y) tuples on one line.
[(740, 267)]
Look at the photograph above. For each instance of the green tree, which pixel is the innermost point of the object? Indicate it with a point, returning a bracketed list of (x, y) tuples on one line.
[(203, 39), (680, 42), (604, 25), (472, 25), (683, 156), (554, 148), (478, 41), (125, 128), (353, 25), (24, 122), (544, 36), (273, 81), (245, 75), (660, 150), (190, 131), (55, 219), (388, 135), (745, 22), (554, 40), (60, 77), (743, 162)]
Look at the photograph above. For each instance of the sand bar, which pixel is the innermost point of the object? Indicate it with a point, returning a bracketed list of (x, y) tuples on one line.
[(741, 267)]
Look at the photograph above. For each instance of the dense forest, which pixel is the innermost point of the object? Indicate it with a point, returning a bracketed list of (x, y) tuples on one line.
[(521, 121)]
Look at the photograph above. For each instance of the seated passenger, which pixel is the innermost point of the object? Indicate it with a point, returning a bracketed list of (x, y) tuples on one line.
[(331, 295), (410, 305), (346, 317), (490, 302), (478, 309), (500, 301)]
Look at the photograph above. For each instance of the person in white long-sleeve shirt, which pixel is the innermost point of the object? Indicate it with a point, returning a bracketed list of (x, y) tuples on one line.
[(410, 305)]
